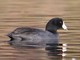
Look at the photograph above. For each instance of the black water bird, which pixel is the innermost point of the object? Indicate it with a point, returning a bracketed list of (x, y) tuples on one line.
[(32, 37)]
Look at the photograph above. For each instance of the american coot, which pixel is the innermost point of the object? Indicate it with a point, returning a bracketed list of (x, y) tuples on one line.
[(25, 36)]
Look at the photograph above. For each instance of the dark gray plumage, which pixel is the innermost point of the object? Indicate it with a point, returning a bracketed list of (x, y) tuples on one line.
[(25, 36)]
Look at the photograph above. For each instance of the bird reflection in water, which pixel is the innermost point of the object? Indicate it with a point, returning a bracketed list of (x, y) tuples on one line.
[(57, 51)]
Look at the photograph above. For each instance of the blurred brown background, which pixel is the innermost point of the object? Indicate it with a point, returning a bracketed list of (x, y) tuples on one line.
[(36, 13)]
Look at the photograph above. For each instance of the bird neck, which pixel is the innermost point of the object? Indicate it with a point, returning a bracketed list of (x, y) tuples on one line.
[(53, 31), (51, 27)]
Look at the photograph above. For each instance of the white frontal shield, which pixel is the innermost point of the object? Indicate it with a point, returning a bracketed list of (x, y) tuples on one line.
[(64, 26)]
